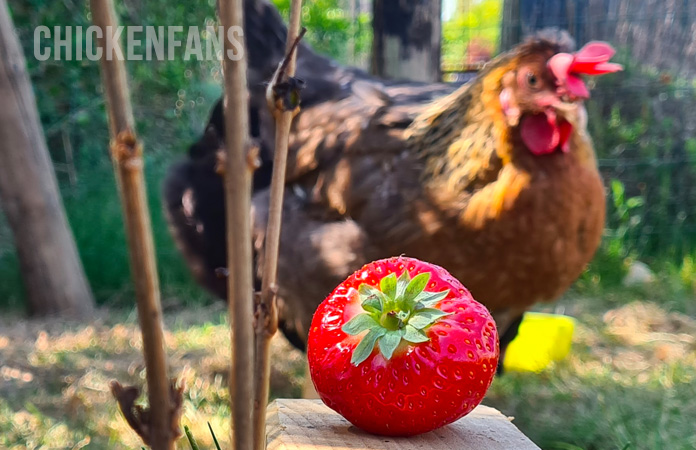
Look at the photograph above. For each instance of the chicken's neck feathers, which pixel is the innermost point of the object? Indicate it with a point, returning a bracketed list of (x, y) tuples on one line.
[(462, 138)]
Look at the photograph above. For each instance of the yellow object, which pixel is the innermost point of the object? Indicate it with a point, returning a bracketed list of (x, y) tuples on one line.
[(542, 339)]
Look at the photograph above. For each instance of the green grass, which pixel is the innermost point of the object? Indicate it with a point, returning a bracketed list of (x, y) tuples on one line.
[(629, 383), (97, 221)]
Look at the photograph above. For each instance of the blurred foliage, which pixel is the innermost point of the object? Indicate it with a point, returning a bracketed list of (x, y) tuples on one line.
[(473, 32), (171, 101), (624, 222), (332, 31)]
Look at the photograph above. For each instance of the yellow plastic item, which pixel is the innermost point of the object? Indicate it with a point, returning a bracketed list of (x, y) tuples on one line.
[(542, 339)]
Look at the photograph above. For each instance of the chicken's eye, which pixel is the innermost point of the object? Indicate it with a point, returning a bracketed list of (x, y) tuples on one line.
[(532, 80)]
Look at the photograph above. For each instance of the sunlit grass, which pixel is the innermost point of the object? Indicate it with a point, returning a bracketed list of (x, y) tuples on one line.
[(629, 383), (54, 378)]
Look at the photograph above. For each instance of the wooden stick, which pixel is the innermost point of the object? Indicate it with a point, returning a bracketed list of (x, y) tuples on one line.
[(237, 174), (128, 163), (267, 310)]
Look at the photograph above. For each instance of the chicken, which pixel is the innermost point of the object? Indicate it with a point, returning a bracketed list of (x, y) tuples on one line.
[(496, 180)]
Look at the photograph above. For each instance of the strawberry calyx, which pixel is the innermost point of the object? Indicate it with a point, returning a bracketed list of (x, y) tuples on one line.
[(400, 310)]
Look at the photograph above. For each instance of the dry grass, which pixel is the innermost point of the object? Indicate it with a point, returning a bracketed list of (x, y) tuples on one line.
[(629, 383), (54, 377)]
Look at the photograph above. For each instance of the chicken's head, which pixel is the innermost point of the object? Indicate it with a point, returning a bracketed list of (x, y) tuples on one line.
[(543, 93)]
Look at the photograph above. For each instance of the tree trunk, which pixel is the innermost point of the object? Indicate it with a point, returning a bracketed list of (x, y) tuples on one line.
[(53, 275), (406, 41)]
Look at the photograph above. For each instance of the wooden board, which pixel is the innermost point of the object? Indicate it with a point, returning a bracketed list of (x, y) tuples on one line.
[(311, 425)]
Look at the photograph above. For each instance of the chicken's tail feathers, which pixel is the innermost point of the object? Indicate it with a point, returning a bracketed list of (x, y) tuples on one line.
[(194, 227), (194, 209)]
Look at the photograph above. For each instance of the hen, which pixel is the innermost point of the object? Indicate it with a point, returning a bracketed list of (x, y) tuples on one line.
[(496, 180)]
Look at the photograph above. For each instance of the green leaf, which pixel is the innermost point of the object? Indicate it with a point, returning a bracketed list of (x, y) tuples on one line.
[(411, 334), (365, 290), (634, 202), (373, 298), (389, 342), (617, 190), (402, 315), (189, 436), (365, 347), (402, 283), (428, 299), (414, 288), (372, 304), (425, 317), (388, 286), (217, 444), (359, 323)]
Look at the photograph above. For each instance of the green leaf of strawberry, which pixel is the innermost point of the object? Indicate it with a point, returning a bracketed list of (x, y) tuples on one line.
[(390, 311), (360, 323), (364, 348), (430, 299), (401, 348), (425, 317), (389, 342), (373, 298), (388, 285), (415, 287), (414, 335)]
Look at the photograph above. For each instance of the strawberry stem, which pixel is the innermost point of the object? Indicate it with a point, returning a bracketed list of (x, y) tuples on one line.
[(390, 321)]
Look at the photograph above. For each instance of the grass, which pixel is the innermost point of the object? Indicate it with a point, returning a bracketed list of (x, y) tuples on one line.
[(54, 391), (629, 383)]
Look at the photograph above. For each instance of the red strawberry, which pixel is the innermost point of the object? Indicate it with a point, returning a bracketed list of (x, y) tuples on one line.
[(401, 348)]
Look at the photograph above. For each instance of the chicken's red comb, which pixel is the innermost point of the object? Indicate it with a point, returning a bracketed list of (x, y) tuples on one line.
[(592, 59)]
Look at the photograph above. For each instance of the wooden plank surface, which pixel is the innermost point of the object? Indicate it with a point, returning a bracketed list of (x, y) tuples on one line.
[(310, 425)]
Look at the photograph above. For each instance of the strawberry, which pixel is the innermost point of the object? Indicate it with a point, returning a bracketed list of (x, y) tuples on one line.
[(401, 348)]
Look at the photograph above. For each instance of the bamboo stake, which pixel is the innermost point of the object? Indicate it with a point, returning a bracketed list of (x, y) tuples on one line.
[(237, 174), (266, 324), (159, 427)]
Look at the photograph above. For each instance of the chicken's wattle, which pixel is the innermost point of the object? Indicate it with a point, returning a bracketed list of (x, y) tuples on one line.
[(542, 133)]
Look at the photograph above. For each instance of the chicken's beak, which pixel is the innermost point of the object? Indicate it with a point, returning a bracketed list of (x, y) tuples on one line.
[(554, 105), (570, 111)]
